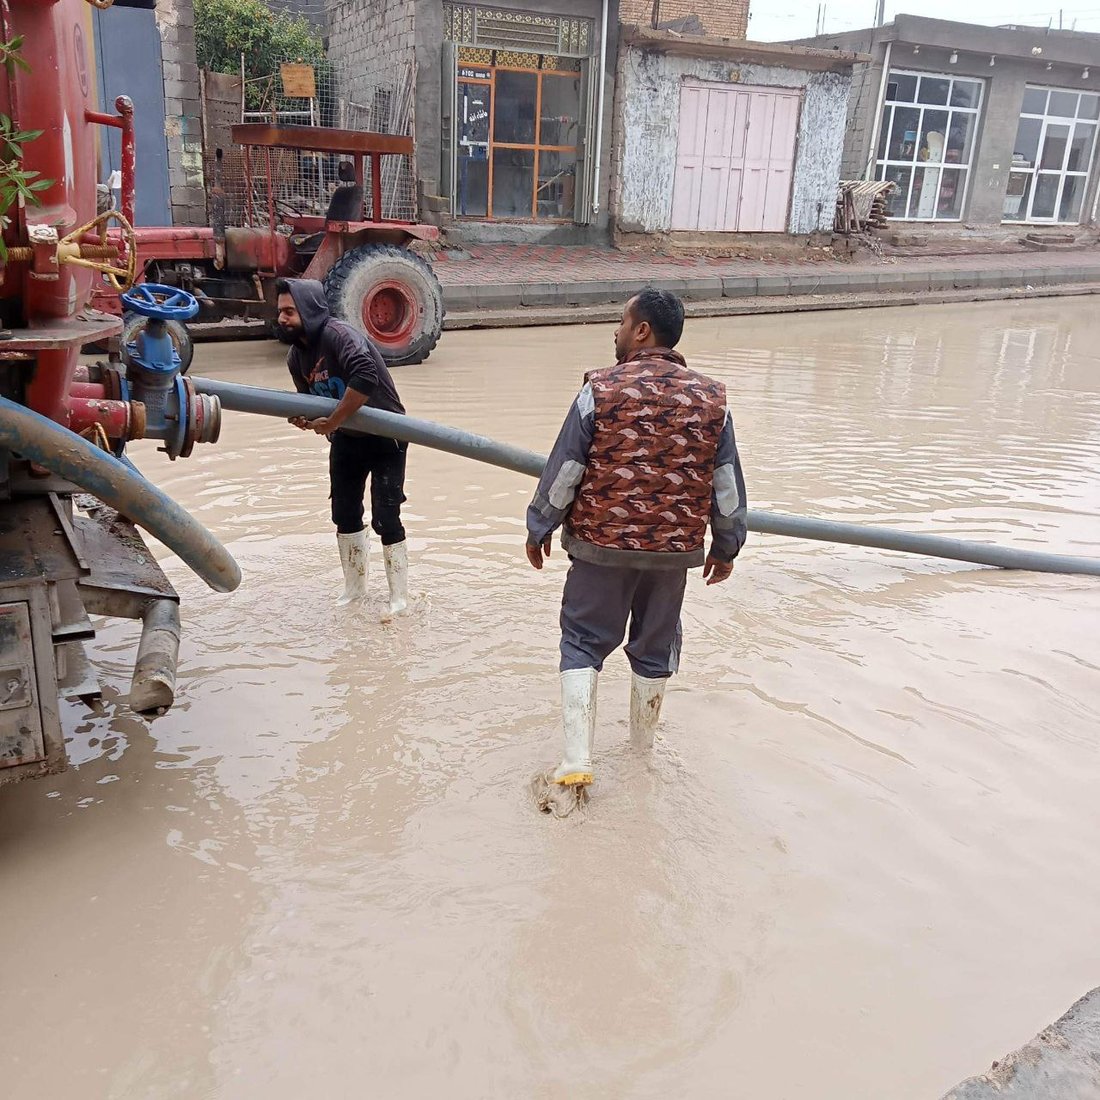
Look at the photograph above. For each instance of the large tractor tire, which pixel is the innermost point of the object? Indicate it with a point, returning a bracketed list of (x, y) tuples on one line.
[(392, 296)]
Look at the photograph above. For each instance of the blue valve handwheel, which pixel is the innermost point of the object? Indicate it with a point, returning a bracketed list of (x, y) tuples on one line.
[(162, 303)]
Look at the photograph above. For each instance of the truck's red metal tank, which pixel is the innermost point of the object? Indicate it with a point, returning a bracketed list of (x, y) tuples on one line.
[(53, 97)]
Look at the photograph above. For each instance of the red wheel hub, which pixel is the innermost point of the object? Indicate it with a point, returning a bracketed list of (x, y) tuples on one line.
[(390, 314)]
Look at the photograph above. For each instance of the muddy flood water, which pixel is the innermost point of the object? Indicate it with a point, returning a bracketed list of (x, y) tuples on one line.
[(861, 864)]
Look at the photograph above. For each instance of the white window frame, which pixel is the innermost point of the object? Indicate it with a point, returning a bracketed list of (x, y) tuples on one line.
[(1063, 173), (887, 124)]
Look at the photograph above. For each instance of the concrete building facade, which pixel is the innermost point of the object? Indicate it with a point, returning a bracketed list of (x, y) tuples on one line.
[(510, 106), (557, 119), (978, 126), (714, 137)]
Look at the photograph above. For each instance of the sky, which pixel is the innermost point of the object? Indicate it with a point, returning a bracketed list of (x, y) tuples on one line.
[(775, 20)]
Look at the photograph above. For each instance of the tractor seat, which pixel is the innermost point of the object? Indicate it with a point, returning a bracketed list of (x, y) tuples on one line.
[(346, 204)]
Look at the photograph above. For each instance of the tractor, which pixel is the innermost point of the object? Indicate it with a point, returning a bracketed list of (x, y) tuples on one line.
[(372, 278)]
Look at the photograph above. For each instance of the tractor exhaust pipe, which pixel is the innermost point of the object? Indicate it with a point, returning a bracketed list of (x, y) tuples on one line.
[(217, 201), (153, 687), (254, 399)]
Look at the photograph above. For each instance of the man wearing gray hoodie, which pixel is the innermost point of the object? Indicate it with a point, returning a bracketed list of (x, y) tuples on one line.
[(329, 358)]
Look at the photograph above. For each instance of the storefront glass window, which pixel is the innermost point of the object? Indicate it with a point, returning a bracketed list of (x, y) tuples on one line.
[(1089, 106), (966, 93), (513, 182), (560, 112), (934, 89), (518, 135), (515, 108), (474, 111), (557, 179), (926, 144), (1052, 156)]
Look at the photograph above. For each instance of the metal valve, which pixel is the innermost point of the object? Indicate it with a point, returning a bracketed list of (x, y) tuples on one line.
[(174, 412)]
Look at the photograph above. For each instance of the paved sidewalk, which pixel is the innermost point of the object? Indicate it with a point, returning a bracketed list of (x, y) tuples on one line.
[(509, 277), (1061, 1063)]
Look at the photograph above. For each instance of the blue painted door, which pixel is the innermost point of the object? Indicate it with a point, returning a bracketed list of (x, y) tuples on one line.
[(128, 62)]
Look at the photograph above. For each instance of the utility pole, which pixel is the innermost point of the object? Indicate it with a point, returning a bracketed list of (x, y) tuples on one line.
[(880, 12)]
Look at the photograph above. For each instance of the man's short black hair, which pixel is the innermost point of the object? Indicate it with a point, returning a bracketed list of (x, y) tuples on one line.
[(282, 286), (664, 312)]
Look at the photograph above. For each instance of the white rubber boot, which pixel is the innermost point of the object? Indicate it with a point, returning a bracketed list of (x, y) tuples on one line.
[(397, 576), (578, 718), (645, 710), (355, 560)]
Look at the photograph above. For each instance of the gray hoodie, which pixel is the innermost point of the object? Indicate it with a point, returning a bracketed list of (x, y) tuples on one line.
[(331, 357)]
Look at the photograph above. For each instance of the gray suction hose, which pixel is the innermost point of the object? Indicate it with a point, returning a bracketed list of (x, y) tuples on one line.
[(254, 399), (40, 440)]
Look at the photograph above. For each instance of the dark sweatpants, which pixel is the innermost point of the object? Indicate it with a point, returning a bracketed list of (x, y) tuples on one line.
[(351, 460), (596, 604)]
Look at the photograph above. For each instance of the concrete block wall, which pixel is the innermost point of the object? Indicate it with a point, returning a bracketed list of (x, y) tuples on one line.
[(369, 42), (428, 19), (308, 10), (862, 98), (182, 111), (725, 18)]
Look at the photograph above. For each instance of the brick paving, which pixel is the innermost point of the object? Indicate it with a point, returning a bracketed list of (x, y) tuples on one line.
[(511, 265)]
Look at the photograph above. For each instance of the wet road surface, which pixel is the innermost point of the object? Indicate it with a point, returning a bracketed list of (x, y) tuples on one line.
[(860, 864)]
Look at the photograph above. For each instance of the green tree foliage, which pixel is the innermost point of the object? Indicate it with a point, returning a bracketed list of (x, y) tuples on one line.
[(226, 29), (15, 183)]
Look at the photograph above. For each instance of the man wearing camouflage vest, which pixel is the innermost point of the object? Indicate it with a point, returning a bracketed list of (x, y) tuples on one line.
[(645, 460)]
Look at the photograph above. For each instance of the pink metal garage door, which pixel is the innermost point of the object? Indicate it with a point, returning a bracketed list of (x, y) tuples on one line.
[(735, 158)]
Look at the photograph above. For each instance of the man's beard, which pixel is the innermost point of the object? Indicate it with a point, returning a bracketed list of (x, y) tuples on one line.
[(287, 335)]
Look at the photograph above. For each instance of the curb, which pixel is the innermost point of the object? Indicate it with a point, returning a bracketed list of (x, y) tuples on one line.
[(589, 303), (772, 303), (1062, 1062), (470, 297)]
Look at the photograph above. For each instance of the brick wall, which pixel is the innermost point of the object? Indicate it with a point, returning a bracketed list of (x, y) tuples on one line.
[(726, 18), (182, 111)]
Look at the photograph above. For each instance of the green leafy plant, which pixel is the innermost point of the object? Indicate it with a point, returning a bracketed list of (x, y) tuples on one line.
[(227, 29), (10, 56), (16, 184)]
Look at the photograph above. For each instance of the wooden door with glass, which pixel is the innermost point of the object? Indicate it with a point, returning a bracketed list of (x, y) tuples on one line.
[(517, 143)]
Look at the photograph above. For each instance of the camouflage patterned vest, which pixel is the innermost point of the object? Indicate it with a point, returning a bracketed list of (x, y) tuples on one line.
[(651, 465)]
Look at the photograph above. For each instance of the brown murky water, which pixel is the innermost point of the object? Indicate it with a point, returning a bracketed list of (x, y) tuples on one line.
[(863, 863)]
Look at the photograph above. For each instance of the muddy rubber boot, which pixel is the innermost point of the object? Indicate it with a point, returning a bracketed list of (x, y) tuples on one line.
[(355, 561), (645, 710), (397, 576), (578, 717)]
